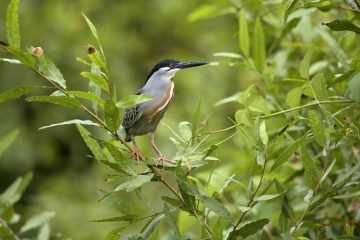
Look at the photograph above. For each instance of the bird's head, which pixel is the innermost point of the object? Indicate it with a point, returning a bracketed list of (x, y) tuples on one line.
[(168, 68)]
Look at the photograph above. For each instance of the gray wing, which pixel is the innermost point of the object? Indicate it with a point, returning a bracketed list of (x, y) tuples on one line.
[(132, 115)]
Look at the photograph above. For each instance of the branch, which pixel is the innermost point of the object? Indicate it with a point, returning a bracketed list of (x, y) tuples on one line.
[(4, 224), (251, 201)]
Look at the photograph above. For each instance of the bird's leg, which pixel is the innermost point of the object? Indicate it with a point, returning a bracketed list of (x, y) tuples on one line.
[(136, 151), (161, 158)]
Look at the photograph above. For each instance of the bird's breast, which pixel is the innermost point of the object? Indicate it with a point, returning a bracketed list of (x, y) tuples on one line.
[(162, 103)]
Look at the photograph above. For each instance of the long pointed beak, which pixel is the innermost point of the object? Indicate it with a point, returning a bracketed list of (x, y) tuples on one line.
[(182, 65)]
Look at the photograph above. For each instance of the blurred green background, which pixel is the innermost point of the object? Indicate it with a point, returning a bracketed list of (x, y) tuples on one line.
[(135, 35)]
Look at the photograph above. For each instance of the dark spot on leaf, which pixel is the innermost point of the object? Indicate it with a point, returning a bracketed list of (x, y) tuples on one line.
[(91, 50)]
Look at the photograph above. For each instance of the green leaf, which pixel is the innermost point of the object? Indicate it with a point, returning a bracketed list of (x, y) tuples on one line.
[(121, 160), (317, 128), (354, 87), (44, 232), (202, 12), (92, 144), (286, 208), (185, 131), (114, 234), (173, 201), (343, 25), (244, 116), (15, 92), (51, 72), (249, 229), (257, 103), (94, 88), (287, 153), (318, 84), (294, 96), (114, 199), (37, 221), (243, 33), (305, 64), (133, 100), (288, 27), (88, 96), (263, 134), (9, 60), (290, 9), (25, 58), (134, 183), (127, 218), (217, 207), (12, 24), (259, 47), (348, 195), (59, 100), (187, 191), (218, 230), (7, 140), (267, 197), (75, 121), (98, 59), (112, 116), (312, 173), (171, 222), (14, 192), (97, 79)]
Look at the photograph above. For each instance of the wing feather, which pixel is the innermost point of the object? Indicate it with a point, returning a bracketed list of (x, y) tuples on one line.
[(132, 115)]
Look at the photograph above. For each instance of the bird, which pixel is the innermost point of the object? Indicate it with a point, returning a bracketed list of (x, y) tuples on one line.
[(145, 117)]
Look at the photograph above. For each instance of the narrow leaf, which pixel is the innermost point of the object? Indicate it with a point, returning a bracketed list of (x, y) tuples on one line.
[(318, 84), (15, 92), (7, 140), (114, 234), (317, 128), (294, 96), (290, 9), (97, 79), (354, 87), (263, 134), (268, 197), (134, 183), (44, 232), (12, 24), (120, 158), (217, 207), (59, 100), (218, 230), (37, 221), (132, 100), (118, 219), (328, 170), (25, 58), (88, 96), (259, 47), (92, 144), (195, 120), (171, 222), (112, 116), (9, 60), (305, 65), (244, 116), (51, 72), (342, 25), (249, 229), (14, 192), (243, 33), (75, 121), (312, 174), (287, 153)]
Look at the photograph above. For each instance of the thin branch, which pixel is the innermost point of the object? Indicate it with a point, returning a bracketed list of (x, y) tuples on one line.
[(251, 201), (4, 224), (314, 103)]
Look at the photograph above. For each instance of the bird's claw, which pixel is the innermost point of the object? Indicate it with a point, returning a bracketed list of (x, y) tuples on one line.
[(163, 159), (137, 155)]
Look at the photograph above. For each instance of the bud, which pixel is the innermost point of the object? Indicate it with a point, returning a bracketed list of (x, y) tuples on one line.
[(91, 50), (37, 52)]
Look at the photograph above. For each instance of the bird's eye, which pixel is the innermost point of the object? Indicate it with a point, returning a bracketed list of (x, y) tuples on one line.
[(171, 65)]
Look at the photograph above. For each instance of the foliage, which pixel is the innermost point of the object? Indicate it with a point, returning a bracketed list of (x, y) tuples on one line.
[(298, 108)]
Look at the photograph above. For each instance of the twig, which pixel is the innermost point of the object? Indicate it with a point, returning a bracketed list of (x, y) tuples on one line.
[(314, 103), (252, 197), (4, 224)]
